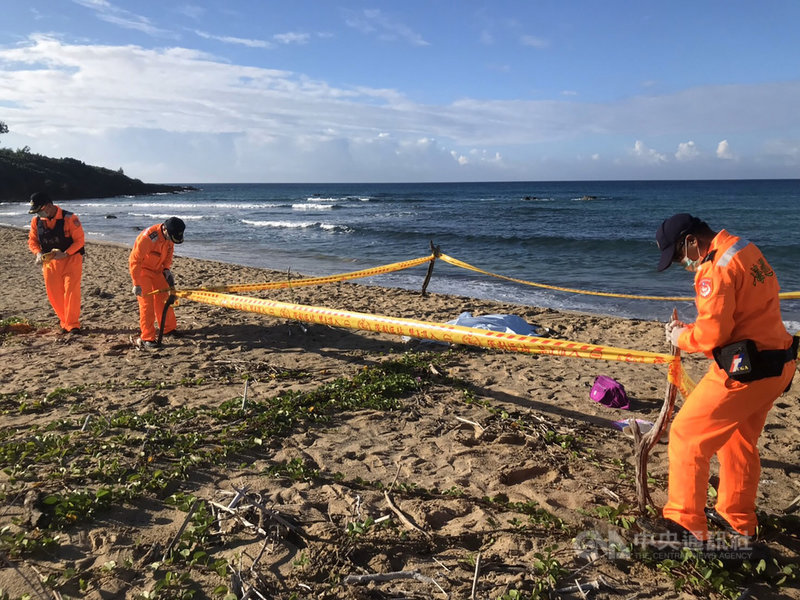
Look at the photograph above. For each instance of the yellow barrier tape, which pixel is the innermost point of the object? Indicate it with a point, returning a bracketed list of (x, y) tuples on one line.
[(442, 332), (463, 265), (678, 376), (277, 285)]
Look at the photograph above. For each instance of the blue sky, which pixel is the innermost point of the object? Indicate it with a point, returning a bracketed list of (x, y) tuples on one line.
[(419, 90)]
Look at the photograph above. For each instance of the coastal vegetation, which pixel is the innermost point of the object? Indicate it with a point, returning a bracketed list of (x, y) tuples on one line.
[(23, 172), (76, 470)]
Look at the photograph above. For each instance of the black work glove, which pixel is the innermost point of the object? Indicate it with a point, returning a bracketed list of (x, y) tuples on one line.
[(170, 279)]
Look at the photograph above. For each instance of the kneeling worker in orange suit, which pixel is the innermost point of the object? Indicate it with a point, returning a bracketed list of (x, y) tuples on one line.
[(149, 264), (739, 326), (56, 238)]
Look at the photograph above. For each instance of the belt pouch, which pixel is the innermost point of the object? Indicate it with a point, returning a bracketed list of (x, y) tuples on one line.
[(739, 360)]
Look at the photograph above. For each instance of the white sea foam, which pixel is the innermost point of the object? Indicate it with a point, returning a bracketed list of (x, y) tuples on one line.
[(282, 224), (168, 204), (312, 206), (299, 225), (167, 216), (234, 206)]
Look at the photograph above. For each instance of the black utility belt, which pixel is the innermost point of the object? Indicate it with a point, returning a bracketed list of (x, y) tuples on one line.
[(81, 251), (742, 361)]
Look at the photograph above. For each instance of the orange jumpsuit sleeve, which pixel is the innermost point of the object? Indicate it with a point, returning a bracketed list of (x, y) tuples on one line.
[(736, 294), (141, 248), (33, 237), (168, 253), (74, 229), (715, 298)]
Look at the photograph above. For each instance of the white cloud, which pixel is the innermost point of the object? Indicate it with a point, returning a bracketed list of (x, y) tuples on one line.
[(124, 18), (375, 22), (234, 40), (687, 151), (291, 38), (533, 41), (724, 150), (647, 154), (193, 11), (786, 151), (193, 117)]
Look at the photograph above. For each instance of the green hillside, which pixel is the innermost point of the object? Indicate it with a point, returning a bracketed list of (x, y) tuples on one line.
[(22, 173)]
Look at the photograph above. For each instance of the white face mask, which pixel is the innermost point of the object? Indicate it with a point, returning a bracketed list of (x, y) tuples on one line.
[(687, 263)]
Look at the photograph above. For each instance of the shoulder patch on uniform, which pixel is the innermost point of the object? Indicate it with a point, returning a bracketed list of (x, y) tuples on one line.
[(705, 287), (153, 236)]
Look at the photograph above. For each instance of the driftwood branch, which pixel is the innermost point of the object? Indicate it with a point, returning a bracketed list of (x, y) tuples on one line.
[(404, 519), (391, 576), (238, 517), (793, 506), (477, 427), (178, 535), (581, 588), (643, 444), (475, 576)]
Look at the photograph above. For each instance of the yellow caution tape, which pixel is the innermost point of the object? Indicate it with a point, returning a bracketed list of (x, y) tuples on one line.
[(276, 285), (463, 265), (678, 376), (407, 264), (455, 334)]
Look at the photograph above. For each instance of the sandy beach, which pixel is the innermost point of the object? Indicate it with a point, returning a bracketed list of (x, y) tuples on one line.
[(495, 459)]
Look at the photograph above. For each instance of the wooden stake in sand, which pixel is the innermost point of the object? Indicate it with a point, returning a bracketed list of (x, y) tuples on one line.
[(436, 251), (643, 444)]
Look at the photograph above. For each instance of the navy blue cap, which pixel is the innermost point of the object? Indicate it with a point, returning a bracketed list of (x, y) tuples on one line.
[(38, 200), (175, 228), (670, 233)]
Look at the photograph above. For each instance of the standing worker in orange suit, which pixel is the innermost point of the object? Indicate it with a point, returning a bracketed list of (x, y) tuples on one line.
[(739, 326), (149, 264), (56, 238)]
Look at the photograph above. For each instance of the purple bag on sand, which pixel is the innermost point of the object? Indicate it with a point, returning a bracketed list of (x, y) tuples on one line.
[(609, 392)]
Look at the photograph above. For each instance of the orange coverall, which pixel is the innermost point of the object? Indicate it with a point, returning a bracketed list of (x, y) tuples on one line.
[(737, 298), (62, 276), (151, 254)]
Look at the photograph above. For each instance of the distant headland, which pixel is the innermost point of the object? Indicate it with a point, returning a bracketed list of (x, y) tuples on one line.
[(22, 173)]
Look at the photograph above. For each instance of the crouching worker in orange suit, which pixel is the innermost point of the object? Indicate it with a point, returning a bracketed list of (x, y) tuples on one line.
[(56, 238), (739, 327), (149, 264)]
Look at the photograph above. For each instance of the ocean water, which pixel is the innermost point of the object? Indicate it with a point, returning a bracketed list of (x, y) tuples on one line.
[(585, 235)]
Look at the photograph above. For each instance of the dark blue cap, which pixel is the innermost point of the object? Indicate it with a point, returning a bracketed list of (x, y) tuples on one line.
[(670, 233), (175, 228)]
